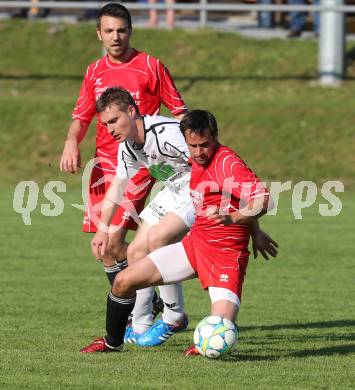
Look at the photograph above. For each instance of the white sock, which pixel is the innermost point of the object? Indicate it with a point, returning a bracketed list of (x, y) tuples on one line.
[(142, 312), (173, 299)]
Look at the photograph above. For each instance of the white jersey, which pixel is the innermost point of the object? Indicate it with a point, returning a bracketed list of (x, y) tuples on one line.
[(164, 153)]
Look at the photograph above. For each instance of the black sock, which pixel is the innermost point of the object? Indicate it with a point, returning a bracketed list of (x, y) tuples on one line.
[(112, 271), (117, 312)]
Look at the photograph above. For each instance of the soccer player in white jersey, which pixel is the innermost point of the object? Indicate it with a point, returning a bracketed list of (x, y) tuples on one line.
[(158, 266), (156, 143)]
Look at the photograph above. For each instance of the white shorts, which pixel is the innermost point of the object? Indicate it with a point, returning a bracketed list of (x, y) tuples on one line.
[(167, 201), (172, 263)]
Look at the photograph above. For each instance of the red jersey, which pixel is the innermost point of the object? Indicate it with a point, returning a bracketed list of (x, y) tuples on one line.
[(145, 77), (224, 184)]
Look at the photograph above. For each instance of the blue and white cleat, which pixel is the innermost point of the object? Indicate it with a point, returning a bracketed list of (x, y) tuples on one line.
[(130, 336), (159, 332)]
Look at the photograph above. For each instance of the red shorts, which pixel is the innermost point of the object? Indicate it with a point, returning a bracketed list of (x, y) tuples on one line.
[(134, 198), (216, 267)]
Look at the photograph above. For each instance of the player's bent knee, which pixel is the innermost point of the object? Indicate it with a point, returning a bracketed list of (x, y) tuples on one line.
[(122, 284)]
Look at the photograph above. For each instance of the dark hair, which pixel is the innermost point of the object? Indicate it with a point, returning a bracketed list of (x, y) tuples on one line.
[(115, 95), (116, 10), (198, 121)]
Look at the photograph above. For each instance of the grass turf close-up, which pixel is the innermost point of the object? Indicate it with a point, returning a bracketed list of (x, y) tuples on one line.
[(297, 316)]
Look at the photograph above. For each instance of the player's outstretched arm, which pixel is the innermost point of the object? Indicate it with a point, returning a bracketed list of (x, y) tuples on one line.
[(112, 200), (262, 242), (70, 160)]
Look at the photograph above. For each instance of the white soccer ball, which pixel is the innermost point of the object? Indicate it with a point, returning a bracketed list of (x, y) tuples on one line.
[(215, 336)]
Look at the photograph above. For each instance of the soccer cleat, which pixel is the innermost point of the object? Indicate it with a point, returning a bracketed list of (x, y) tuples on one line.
[(158, 307), (130, 336), (100, 345), (191, 351), (159, 332), (183, 324)]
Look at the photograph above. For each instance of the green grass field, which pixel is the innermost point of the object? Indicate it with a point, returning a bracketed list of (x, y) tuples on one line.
[(298, 315), (297, 319)]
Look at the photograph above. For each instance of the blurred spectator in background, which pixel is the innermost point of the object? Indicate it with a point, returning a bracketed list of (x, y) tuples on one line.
[(298, 20), (154, 16), (19, 12), (32, 12), (89, 13), (265, 18)]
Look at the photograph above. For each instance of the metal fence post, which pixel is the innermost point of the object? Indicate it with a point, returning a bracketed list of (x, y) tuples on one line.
[(331, 44), (203, 14)]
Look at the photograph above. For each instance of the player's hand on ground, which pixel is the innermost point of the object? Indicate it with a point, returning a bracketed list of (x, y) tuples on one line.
[(70, 160), (99, 245), (264, 244)]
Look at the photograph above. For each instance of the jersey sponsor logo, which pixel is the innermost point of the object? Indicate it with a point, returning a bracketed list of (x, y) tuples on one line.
[(99, 92), (224, 278), (162, 171), (136, 96), (176, 176), (99, 88), (153, 156), (98, 82)]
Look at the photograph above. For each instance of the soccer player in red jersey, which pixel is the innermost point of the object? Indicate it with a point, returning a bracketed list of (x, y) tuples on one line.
[(228, 199), (151, 85)]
